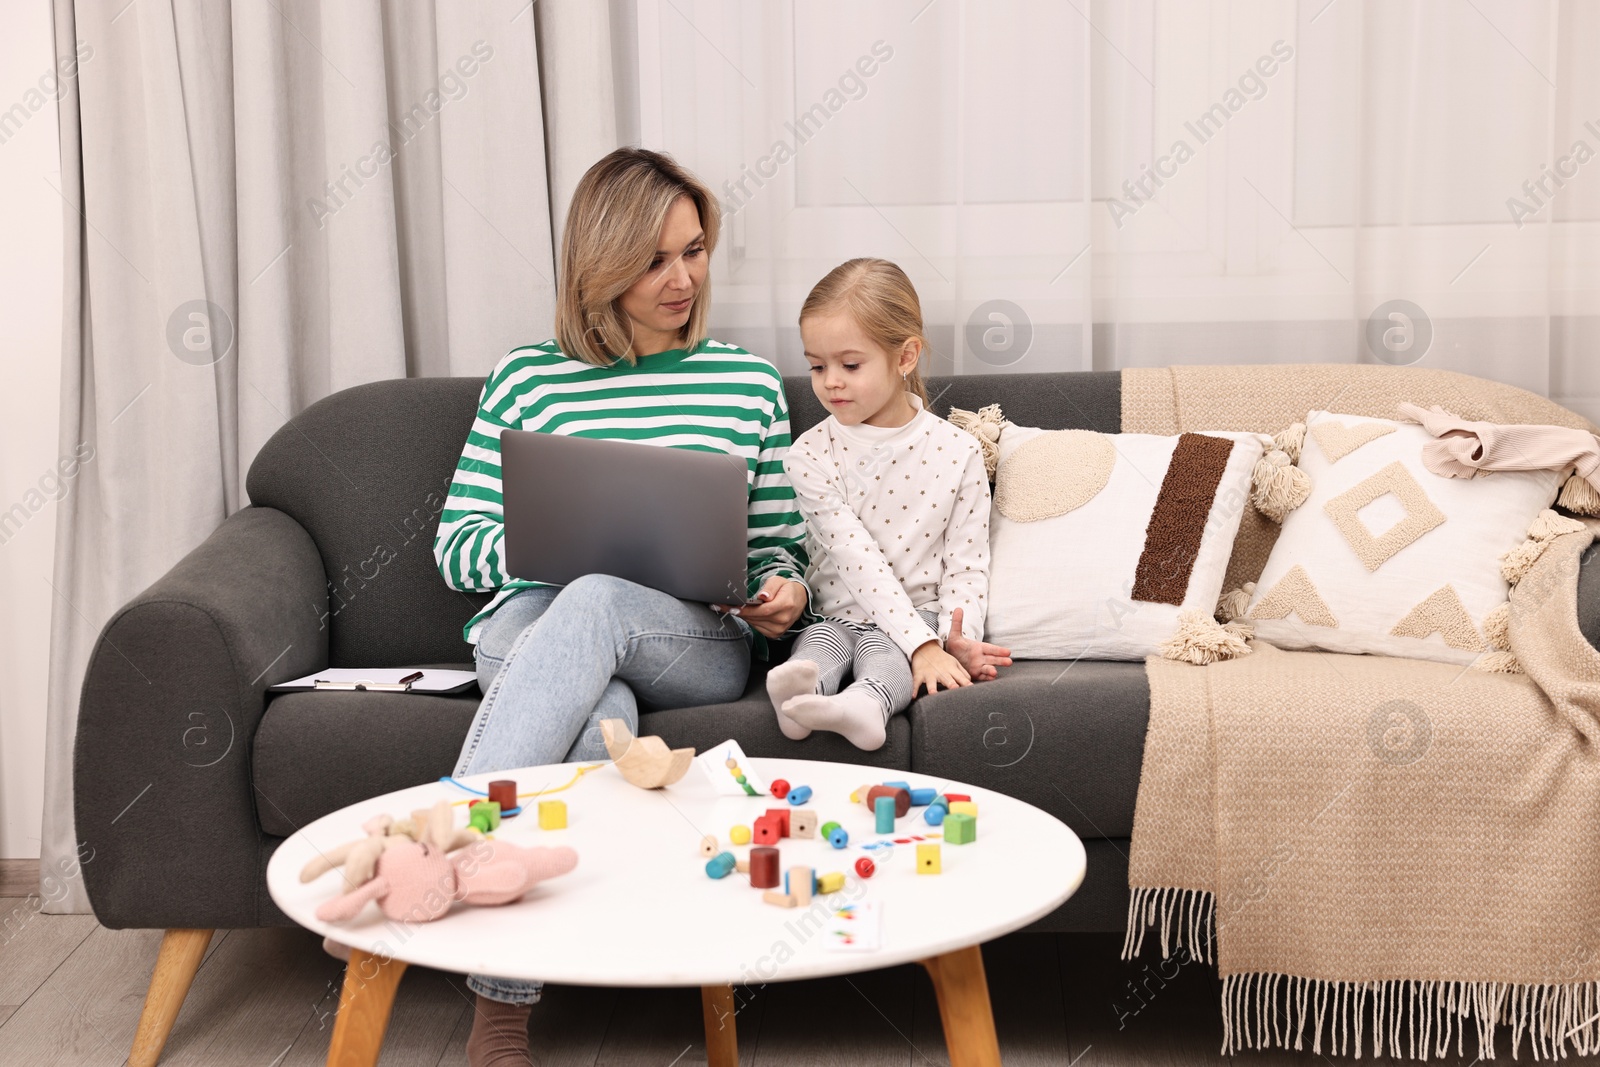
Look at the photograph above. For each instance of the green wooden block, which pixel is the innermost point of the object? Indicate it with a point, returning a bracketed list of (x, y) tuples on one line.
[(484, 815), (960, 829)]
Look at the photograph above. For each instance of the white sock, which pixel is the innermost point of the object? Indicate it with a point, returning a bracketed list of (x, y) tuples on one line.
[(855, 713), (790, 679)]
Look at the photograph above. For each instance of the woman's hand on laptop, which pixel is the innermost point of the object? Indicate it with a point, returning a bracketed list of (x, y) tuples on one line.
[(777, 606)]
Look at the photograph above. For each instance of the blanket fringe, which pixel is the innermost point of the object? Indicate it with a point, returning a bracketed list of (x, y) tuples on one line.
[(1400, 1017)]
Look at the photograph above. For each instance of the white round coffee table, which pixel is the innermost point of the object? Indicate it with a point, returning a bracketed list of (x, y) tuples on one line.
[(640, 910)]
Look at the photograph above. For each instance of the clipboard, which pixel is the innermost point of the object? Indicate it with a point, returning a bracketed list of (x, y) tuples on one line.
[(434, 682)]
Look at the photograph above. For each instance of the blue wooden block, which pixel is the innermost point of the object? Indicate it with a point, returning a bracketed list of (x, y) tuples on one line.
[(900, 785), (799, 795), (922, 797), (719, 865), (883, 808)]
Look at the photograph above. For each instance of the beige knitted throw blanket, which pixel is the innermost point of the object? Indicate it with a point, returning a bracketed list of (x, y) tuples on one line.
[(1379, 852), (1382, 854)]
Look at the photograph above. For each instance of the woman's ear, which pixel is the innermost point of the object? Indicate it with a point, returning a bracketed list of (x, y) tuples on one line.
[(910, 353)]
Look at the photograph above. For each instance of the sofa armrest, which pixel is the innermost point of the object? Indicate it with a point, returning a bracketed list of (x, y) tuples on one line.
[(171, 700), (1589, 594)]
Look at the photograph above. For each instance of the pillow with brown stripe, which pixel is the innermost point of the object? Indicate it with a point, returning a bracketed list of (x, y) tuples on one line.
[(1111, 546)]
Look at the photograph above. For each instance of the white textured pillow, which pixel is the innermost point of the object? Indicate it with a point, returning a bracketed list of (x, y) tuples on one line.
[(1387, 557), (1099, 542)]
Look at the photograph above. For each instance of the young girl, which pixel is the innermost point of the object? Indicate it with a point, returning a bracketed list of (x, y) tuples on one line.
[(896, 502)]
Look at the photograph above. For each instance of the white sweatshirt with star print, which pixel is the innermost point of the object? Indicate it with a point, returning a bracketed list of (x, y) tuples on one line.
[(896, 519)]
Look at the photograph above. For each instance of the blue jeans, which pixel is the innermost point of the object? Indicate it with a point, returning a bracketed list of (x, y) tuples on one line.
[(554, 661)]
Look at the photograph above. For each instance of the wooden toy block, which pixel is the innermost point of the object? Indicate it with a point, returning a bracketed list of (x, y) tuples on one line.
[(739, 835), (883, 810), (764, 868), (483, 816), (927, 859), (960, 828), (799, 794), (780, 788), (828, 828), (504, 793), (830, 883), (719, 865), (800, 883), (708, 846), (963, 807), (552, 814), (643, 761), (742, 864), (839, 838), (922, 797), (865, 867), (941, 801), (782, 900), (859, 794), (898, 785), (781, 816), (953, 797), (803, 824), (902, 798), (768, 831), (934, 815)]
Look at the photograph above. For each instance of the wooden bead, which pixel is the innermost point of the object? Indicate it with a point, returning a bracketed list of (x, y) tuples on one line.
[(799, 794), (708, 846), (828, 828), (839, 838), (902, 798), (934, 814), (923, 797), (742, 864), (800, 883), (552, 814), (739, 835), (719, 865), (780, 788), (927, 859), (483, 816), (782, 900), (504, 793), (883, 809), (764, 868), (865, 867), (830, 883)]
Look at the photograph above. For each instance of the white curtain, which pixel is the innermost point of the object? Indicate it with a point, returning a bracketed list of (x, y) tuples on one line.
[(268, 201), (1079, 185)]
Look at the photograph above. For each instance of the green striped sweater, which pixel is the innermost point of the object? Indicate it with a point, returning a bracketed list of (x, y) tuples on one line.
[(715, 397)]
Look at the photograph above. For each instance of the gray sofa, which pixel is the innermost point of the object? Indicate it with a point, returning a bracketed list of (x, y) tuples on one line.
[(332, 565)]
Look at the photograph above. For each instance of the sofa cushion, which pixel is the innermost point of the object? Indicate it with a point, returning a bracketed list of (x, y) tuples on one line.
[(318, 752), (1067, 737)]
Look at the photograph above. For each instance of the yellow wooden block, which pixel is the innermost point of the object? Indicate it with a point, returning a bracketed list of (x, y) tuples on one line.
[(927, 859), (739, 835), (965, 807), (552, 814), (831, 882)]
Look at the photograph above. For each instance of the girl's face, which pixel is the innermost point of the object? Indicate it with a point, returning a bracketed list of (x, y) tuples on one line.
[(856, 379), (659, 303)]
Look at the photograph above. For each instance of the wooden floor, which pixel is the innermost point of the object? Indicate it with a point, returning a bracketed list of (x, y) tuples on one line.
[(71, 991)]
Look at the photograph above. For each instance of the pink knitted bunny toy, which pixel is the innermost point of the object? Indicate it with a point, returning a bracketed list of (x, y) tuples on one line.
[(417, 881)]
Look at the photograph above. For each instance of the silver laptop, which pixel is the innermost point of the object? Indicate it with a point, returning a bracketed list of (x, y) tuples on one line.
[(668, 518)]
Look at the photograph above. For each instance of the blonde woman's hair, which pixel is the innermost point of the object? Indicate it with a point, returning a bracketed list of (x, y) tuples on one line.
[(615, 219), (881, 299)]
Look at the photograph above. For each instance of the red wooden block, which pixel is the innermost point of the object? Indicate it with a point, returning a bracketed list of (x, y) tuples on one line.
[(902, 798), (953, 797), (782, 815), (764, 868), (504, 793), (768, 830)]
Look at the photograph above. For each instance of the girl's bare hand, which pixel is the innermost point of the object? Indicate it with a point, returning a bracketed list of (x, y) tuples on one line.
[(932, 666)]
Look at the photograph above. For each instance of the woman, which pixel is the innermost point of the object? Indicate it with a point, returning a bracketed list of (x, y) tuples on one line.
[(630, 360)]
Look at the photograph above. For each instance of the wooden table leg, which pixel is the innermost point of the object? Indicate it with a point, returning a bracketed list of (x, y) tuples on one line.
[(722, 1041), (364, 1003), (963, 992), (181, 954)]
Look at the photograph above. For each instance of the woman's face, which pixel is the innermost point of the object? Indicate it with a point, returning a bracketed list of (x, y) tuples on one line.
[(659, 303)]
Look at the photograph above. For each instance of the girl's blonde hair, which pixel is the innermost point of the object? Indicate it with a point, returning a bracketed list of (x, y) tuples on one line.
[(883, 302), (612, 228)]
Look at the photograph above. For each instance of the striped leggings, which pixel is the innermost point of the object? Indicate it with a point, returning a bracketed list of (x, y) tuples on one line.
[(874, 662)]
